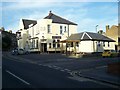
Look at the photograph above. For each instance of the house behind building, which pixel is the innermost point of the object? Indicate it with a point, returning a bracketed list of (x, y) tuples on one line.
[(114, 33)]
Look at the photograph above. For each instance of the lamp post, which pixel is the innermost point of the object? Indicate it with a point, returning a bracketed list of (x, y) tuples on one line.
[(96, 28)]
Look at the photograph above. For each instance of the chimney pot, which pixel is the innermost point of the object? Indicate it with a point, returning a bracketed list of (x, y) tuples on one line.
[(50, 11), (107, 28)]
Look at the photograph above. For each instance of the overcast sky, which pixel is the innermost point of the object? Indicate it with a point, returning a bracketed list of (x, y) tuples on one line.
[(86, 13)]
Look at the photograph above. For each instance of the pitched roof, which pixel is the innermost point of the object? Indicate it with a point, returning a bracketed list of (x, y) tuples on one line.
[(89, 36), (75, 36), (58, 19), (27, 22)]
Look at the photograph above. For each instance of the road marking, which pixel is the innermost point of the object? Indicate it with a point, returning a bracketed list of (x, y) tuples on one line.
[(55, 66), (67, 70), (100, 67), (40, 64), (50, 66), (32, 62), (17, 77), (62, 70), (81, 79), (58, 68), (44, 65)]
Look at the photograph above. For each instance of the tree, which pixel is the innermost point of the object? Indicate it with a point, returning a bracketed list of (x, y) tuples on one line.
[(6, 42), (2, 29)]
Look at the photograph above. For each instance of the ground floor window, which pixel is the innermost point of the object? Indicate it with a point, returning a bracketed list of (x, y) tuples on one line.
[(54, 44), (71, 44), (108, 44), (103, 44), (49, 45), (98, 44), (58, 43), (77, 44), (36, 43)]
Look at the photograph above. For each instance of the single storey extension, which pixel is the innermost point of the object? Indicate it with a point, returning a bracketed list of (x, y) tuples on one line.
[(88, 42)]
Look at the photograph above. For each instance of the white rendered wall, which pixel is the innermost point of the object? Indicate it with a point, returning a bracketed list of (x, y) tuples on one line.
[(86, 46), (111, 46)]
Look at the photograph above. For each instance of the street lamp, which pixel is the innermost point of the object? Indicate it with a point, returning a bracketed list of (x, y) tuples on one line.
[(96, 28)]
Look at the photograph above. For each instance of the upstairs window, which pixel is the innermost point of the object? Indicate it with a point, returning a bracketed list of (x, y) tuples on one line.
[(60, 29), (48, 28), (65, 29)]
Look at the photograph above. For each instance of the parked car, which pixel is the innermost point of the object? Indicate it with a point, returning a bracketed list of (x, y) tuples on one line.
[(109, 53), (14, 51), (20, 51)]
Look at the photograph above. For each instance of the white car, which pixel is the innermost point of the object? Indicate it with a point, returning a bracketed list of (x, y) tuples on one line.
[(19, 52)]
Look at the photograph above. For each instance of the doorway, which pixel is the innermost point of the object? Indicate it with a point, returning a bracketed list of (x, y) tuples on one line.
[(116, 48), (43, 47)]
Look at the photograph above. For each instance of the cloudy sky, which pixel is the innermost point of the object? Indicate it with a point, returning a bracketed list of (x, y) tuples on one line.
[(86, 13)]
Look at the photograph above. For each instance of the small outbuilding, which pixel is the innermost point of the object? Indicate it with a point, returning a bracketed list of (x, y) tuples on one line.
[(88, 42)]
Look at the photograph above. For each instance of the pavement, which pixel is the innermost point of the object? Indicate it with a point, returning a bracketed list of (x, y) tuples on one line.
[(99, 74)]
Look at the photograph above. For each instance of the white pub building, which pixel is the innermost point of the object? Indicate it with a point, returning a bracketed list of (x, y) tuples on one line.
[(45, 35)]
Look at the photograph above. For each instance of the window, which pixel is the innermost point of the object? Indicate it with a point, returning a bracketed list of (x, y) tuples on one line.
[(67, 44), (48, 27), (77, 44), (118, 39), (71, 44), (36, 43), (49, 45), (54, 44), (98, 43), (65, 29), (104, 44), (108, 44), (58, 43), (33, 43), (18, 34), (60, 29)]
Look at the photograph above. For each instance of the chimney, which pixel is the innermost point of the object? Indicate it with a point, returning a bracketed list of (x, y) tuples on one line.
[(107, 28), (100, 31), (10, 31), (50, 12)]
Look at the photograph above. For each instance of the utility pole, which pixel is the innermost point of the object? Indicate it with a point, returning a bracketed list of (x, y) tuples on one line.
[(96, 28)]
